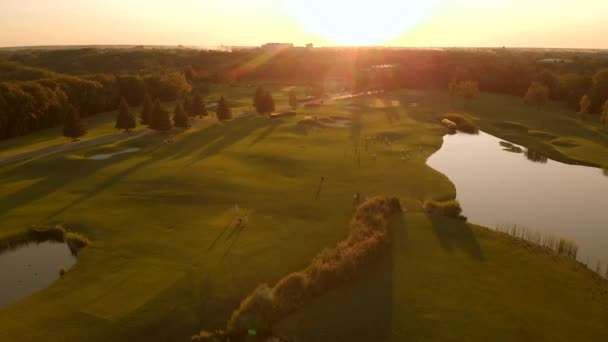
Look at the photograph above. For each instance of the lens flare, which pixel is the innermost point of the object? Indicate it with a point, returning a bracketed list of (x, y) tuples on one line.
[(359, 22)]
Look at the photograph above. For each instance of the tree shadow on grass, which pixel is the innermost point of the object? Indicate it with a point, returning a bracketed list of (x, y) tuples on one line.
[(231, 133), (54, 173), (220, 235), (266, 132), (215, 138), (101, 187), (234, 235), (361, 310), (454, 233)]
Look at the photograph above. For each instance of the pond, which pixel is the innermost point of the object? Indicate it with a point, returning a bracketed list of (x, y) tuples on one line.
[(501, 184), (31, 268)]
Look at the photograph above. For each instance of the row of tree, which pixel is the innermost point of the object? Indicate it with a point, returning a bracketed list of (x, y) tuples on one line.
[(153, 115), (263, 101)]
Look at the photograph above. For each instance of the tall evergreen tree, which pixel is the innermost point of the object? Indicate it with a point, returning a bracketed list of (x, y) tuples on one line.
[(223, 110), (198, 106), (189, 74), (180, 119), (73, 127), (293, 99), (604, 119), (146, 111), (585, 106), (269, 106), (160, 120), (125, 119), (259, 100), (188, 105)]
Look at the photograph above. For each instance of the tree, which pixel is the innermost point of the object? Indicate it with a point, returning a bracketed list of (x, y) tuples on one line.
[(468, 90), (189, 74), (269, 106), (293, 99), (198, 106), (180, 119), (160, 120), (537, 94), (146, 110), (452, 88), (73, 127), (223, 110), (599, 91), (604, 117), (258, 100), (125, 119), (585, 105), (188, 104)]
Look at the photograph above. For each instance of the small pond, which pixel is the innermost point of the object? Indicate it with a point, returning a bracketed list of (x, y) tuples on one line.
[(31, 268), (501, 184)]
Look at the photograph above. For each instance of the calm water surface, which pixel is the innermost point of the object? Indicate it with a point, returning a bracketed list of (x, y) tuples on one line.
[(503, 184), (31, 268)]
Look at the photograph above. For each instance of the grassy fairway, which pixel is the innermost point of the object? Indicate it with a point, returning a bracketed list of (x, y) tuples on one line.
[(102, 124), (165, 261), (552, 130)]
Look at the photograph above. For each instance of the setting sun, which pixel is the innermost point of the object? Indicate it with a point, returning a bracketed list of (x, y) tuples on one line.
[(303, 170), (359, 23)]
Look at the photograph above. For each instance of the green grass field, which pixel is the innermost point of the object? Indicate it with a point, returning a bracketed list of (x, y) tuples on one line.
[(102, 124), (164, 262)]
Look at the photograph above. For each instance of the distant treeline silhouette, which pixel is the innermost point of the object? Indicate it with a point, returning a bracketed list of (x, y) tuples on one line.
[(35, 85)]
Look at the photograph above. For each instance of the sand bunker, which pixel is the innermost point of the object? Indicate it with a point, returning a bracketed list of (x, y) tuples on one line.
[(338, 123), (110, 155)]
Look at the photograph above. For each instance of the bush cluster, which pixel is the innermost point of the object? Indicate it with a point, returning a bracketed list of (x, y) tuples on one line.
[(447, 208), (368, 239), (463, 123), (40, 234)]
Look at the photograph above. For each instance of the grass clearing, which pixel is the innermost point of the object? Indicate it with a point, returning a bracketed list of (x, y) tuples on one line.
[(167, 260)]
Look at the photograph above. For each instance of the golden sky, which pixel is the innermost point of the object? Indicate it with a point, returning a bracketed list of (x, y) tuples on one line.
[(512, 23)]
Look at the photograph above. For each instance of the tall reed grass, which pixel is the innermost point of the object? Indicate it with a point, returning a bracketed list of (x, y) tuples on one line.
[(41, 234), (562, 246)]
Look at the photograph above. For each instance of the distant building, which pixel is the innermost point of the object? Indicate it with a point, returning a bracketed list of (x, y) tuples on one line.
[(309, 46), (276, 46), (554, 60)]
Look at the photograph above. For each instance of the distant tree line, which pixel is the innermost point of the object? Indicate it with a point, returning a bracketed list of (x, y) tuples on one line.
[(35, 88), (27, 106)]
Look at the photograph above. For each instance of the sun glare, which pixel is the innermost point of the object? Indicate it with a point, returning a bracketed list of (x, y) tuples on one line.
[(359, 22)]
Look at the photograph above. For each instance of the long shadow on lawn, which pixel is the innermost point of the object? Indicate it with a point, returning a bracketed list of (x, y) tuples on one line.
[(215, 138), (106, 184), (54, 174), (361, 310), (220, 235), (454, 233), (266, 132), (234, 235)]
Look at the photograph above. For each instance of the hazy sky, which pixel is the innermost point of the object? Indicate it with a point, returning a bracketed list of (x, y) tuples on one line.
[(521, 23)]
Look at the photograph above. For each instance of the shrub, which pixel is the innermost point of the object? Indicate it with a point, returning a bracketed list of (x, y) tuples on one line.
[(76, 242), (448, 208), (208, 336), (291, 292), (367, 240), (463, 123), (255, 312)]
